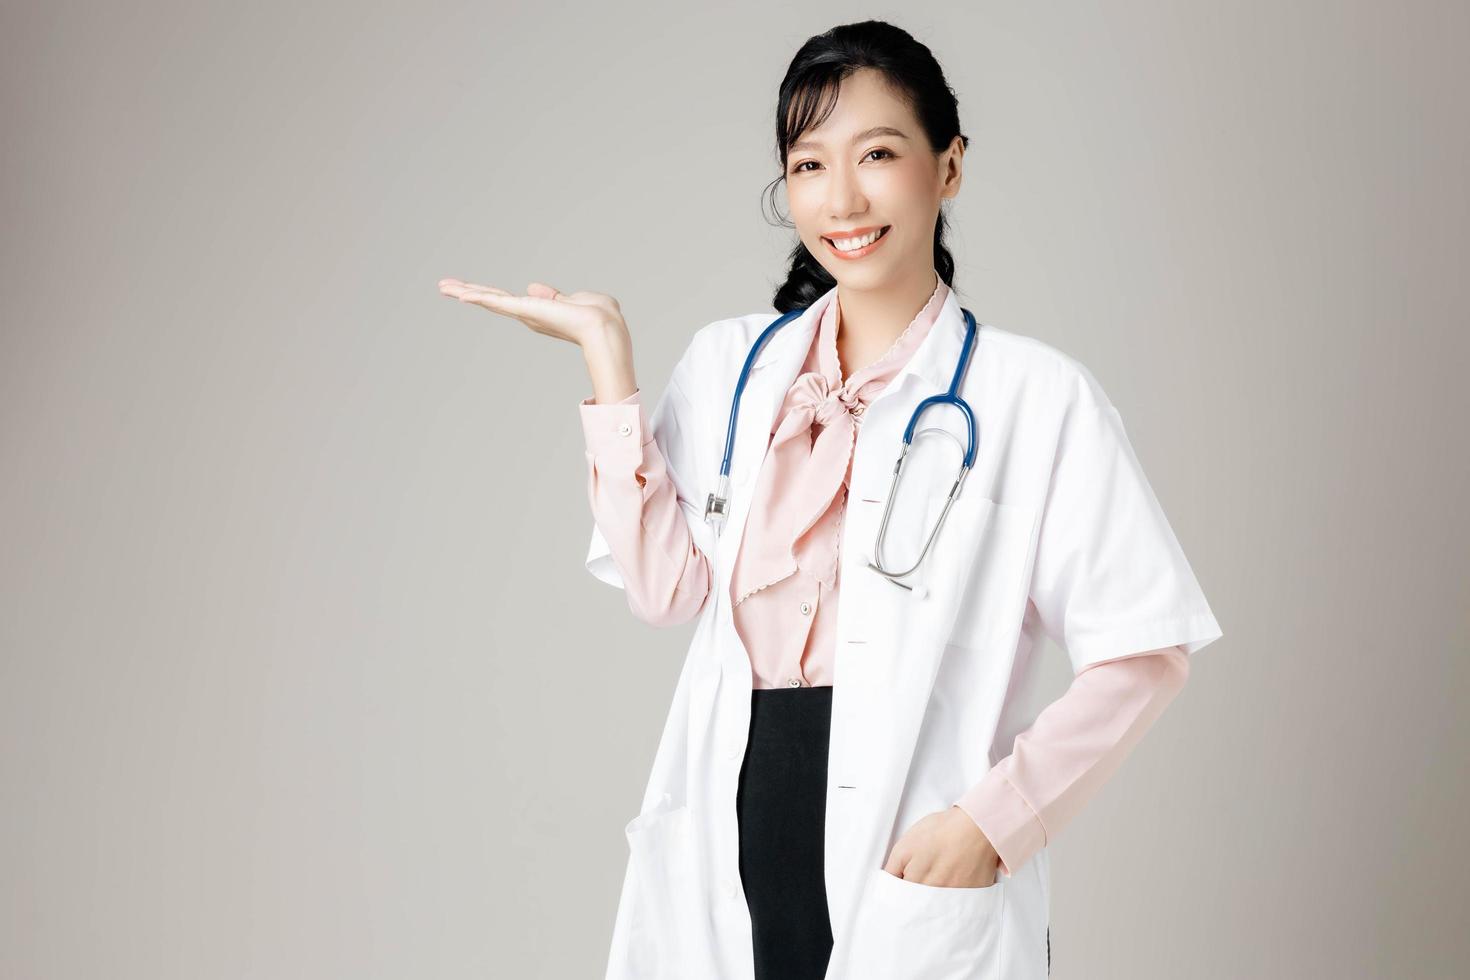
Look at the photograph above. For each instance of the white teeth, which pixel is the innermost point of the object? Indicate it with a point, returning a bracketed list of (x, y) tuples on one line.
[(851, 244)]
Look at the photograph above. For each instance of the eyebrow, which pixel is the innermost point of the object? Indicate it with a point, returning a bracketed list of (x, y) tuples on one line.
[(857, 137)]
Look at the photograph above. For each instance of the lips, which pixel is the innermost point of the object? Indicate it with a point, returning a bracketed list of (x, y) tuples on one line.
[(858, 233), (856, 254)]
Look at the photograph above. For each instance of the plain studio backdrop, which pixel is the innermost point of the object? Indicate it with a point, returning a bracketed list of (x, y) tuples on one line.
[(302, 674)]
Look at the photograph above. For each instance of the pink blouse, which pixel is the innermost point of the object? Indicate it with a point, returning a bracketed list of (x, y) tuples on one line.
[(787, 623)]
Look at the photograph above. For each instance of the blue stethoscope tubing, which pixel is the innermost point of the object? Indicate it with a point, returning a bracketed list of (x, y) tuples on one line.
[(716, 506)]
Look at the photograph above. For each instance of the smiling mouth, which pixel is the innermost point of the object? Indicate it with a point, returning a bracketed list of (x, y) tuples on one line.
[(881, 232)]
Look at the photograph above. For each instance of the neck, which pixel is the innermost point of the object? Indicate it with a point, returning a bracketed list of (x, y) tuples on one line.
[(869, 321)]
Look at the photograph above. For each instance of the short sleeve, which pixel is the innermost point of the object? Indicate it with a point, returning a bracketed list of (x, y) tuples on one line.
[(673, 426), (1110, 578)]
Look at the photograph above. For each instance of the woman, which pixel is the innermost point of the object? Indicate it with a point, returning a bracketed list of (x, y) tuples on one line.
[(907, 692)]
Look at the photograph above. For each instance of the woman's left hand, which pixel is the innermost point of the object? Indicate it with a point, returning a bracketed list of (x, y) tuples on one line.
[(947, 849)]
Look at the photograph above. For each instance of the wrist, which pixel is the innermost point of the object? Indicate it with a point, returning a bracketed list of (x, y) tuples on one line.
[(967, 819), (609, 341), (608, 353)]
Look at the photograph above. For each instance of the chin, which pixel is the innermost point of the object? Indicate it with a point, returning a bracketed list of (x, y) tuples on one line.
[(864, 276)]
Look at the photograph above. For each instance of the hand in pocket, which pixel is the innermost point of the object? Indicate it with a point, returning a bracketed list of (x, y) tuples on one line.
[(946, 849)]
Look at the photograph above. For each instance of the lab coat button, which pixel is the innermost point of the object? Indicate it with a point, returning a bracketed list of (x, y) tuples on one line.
[(625, 429)]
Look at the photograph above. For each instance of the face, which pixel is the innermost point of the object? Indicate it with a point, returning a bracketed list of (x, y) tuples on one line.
[(869, 169)]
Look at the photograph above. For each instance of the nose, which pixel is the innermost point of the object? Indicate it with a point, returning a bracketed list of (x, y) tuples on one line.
[(845, 196)]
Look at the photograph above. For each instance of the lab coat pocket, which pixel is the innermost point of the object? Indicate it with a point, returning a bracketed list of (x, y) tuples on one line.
[(660, 846), (907, 930)]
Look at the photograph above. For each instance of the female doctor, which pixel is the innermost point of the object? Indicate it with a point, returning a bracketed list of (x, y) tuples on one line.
[(851, 788)]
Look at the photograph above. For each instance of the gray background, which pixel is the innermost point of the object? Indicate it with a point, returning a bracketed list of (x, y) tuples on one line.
[(302, 675)]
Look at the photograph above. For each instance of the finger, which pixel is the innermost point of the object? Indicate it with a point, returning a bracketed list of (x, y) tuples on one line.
[(452, 288), (458, 288), (583, 297), (916, 870), (466, 292), (521, 307), (544, 291)]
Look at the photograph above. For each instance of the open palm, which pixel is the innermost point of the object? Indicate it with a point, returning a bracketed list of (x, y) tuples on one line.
[(574, 317)]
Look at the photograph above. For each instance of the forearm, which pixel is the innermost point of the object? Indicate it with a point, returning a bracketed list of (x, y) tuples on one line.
[(1075, 745)]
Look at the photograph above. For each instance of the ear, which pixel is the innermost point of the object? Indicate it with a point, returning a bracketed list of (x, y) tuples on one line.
[(951, 168)]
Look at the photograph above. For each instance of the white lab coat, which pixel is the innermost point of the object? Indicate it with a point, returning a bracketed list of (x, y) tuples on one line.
[(1055, 531)]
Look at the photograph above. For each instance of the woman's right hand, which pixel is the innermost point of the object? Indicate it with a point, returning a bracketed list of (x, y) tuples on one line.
[(592, 321), (577, 317)]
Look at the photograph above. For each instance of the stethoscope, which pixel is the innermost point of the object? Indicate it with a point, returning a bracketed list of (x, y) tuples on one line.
[(717, 504)]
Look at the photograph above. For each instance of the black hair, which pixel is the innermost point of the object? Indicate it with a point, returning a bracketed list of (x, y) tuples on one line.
[(809, 93)]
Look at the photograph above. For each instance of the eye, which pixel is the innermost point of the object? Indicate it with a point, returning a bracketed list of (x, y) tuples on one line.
[(887, 153)]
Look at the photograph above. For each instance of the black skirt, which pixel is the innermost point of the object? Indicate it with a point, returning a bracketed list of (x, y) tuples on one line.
[(781, 805)]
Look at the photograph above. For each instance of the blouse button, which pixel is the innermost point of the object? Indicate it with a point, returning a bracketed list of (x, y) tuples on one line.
[(793, 682), (806, 608), (624, 429)]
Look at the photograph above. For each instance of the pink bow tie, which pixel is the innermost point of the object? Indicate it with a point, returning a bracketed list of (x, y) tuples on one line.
[(809, 460)]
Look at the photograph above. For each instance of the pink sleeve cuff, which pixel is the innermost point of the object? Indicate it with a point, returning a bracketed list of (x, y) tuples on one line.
[(1004, 816), (614, 426)]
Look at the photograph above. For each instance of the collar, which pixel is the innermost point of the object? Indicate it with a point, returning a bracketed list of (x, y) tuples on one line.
[(932, 362)]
